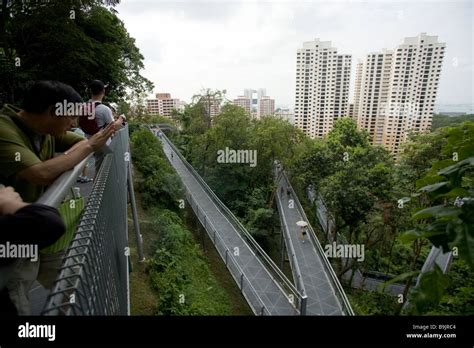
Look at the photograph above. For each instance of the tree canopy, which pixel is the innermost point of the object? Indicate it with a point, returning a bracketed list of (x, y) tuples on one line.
[(80, 41)]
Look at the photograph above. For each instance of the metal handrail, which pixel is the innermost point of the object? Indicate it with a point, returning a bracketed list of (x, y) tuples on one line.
[(240, 228), (52, 197), (55, 193), (337, 285), (230, 254), (294, 263)]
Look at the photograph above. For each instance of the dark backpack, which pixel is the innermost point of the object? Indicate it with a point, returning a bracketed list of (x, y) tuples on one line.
[(89, 126)]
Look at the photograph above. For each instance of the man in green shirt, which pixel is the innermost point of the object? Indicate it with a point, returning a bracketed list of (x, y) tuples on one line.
[(30, 137)]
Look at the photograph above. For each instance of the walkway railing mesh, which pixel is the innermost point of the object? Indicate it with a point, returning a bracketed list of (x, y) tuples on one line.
[(94, 276)]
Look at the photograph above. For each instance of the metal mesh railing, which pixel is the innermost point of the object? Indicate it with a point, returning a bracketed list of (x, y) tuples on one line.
[(291, 250), (94, 275), (245, 286)]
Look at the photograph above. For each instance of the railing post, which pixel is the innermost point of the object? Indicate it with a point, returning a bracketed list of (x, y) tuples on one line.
[(241, 281), (214, 237), (136, 225), (262, 311), (303, 305), (282, 253), (226, 252)]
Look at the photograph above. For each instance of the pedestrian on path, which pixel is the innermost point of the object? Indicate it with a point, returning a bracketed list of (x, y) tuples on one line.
[(303, 229), (303, 234)]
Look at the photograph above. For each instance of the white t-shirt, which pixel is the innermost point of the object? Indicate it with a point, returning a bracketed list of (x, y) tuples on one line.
[(103, 115)]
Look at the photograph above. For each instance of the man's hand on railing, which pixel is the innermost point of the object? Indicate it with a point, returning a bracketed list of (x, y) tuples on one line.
[(98, 140), (10, 201), (119, 122)]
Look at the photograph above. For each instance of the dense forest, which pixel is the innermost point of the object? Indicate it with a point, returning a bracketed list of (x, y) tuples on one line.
[(440, 120)]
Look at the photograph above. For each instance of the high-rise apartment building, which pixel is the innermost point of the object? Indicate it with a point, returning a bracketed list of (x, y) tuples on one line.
[(371, 93), (265, 106), (245, 103), (322, 87), (164, 105), (260, 106), (396, 91)]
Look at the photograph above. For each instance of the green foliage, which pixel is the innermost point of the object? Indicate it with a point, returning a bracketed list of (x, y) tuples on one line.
[(351, 175), (371, 302), (458, 298), (80, 41), (440, 120), (429, 291), (158, 184), (448, 219), (417, 156), (180, 274), (443, 211)]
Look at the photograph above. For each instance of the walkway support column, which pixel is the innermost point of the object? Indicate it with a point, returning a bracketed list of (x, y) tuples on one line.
[(136, 225)]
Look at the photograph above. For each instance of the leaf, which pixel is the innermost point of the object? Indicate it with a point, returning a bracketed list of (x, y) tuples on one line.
[(442, 164), (434, 187), (429, 180), (455, 192), (455, 167), (399, 279), (438, 211), (410, 236)]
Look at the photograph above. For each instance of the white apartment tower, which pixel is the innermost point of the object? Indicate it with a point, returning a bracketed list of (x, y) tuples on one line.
[(397, 90), (322, 87), (371, 93)]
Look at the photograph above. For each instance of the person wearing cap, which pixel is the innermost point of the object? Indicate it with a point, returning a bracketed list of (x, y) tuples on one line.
[(103, 115)]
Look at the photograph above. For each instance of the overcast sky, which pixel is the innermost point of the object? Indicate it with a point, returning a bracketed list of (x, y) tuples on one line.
[(194, 44)]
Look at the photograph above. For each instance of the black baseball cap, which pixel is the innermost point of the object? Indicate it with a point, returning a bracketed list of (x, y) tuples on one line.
[(97, 86)]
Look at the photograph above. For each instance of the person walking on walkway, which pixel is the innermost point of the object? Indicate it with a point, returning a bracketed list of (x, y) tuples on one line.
[(303, 229), (303, 234)]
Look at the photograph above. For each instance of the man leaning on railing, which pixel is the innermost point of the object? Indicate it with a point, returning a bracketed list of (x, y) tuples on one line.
[(23, 225), (29, 138)]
